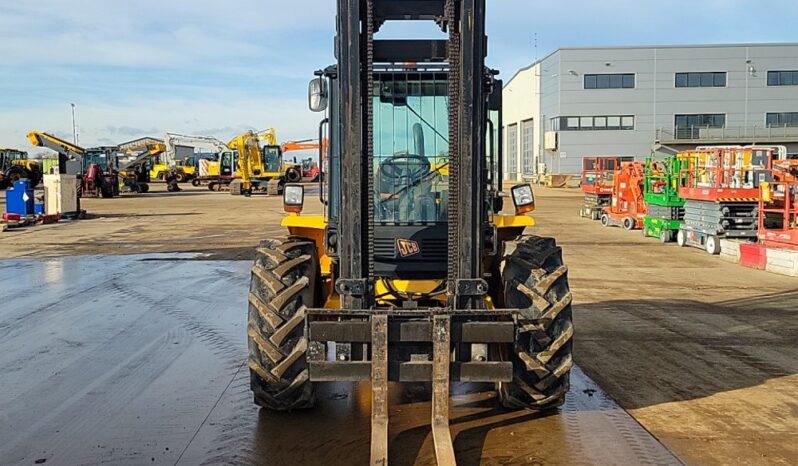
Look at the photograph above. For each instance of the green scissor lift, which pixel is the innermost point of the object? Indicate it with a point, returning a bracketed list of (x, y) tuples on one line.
[(661, 193)]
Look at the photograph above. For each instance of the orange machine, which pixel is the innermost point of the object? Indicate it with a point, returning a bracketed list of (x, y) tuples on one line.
[(778, 207), (628, 208), (295, 172), (597, 174)]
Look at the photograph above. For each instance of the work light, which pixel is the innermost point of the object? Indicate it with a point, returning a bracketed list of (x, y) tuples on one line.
[(523, 198), (293, 198)]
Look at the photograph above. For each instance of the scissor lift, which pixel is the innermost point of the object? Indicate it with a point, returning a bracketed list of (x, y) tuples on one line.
[(721, 189), (778, 209), (627, 208), (665, 209), (596, 183)]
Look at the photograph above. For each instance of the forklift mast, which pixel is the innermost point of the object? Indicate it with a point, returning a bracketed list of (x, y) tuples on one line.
[(469, 85)]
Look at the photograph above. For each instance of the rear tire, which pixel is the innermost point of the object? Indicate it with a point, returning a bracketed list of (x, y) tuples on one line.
[(629, 223), (713, 245), (665, 236), (535, 281), (605, 220), (293, 176), (106, 190), (681, 238), (284, 280)]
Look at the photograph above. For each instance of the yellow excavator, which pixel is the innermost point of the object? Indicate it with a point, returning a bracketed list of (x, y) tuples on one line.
[(257, 167)]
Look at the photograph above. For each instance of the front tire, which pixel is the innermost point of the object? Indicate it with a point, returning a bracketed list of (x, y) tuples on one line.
[(284, 280), (605, 220), (535, 281)]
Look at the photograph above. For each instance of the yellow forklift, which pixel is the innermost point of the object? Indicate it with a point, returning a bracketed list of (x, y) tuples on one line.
[(414, 273)]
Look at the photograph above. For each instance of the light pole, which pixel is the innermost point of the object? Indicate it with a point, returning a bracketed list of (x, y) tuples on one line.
[(74, 127)]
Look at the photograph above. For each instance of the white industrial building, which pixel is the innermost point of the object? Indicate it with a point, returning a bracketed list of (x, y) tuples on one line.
[(578, 102)]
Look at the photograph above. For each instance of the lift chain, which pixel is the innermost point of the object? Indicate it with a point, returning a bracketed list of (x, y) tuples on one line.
[(454, 137), (368, 69)]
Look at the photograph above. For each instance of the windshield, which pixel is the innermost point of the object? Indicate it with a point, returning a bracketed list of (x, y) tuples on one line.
[(411, 147), (271, 159)]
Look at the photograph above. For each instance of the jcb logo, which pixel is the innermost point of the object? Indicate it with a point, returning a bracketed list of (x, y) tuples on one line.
[(407, 247)]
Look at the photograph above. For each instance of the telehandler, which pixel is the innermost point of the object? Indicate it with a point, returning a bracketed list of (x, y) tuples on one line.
[(413, 273)]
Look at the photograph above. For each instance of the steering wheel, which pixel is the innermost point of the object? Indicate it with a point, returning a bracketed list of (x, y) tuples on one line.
[(405, 166)]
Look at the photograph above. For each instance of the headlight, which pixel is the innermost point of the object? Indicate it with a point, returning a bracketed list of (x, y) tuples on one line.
[(523, 198), (293, 198)]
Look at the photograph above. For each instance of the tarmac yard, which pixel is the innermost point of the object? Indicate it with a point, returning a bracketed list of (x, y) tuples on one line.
[(122, 341)]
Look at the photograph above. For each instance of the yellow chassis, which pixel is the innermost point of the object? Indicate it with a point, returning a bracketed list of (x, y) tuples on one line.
[(312, 227)]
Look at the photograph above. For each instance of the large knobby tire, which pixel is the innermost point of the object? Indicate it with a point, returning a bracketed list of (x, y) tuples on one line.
[(293, 175), (16, 173), (106, 190), (535, 281), (284, 281)]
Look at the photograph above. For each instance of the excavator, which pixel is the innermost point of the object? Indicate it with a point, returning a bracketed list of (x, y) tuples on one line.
[(416, 271), (175, 170), (96, 180), (259, 167), (15, 165)]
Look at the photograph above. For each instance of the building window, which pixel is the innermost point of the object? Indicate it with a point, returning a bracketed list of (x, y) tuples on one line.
[(528, 147), (610, 81), (782, 78), (512, 151), (701, 79), (690, 126), (593, 123), (780, 120)]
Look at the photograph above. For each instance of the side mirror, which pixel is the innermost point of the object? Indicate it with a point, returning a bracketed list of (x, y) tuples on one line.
[(317, 94)]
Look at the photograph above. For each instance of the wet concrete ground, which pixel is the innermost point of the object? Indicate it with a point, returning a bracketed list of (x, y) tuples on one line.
[(112, 360), (130, 360)]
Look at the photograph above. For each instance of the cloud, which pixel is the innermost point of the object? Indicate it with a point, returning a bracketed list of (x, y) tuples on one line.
[(141, 68), (223, 115)]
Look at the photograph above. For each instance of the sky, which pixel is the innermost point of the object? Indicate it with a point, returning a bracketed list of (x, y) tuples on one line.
[(145, 67)]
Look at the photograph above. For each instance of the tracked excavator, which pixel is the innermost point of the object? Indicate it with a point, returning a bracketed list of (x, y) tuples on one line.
[(414, 273), (259, 167), (215, 174)]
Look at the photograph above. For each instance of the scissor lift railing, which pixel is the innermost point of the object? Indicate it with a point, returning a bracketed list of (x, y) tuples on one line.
[(724, 174), (778, 215)]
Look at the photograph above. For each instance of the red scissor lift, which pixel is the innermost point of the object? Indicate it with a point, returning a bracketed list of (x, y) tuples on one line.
[(721, 188), (628, 206), (778, 208), (597, 175)]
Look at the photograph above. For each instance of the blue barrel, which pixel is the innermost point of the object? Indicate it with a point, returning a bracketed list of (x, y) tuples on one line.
[(19, 198)]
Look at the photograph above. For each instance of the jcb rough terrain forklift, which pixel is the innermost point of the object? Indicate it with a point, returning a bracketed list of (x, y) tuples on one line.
[(412, 274), (15, 165)]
